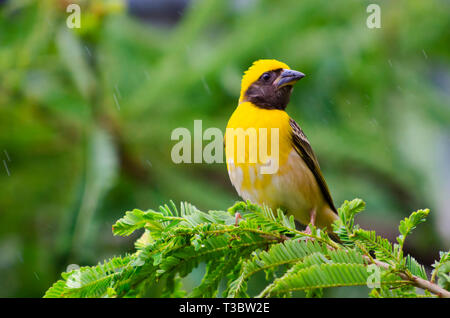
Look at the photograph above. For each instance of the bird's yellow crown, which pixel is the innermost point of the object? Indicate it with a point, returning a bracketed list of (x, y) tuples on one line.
[(256, 70)]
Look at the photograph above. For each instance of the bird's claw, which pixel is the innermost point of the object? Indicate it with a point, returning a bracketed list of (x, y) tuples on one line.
[(237, 216), (307, 231)]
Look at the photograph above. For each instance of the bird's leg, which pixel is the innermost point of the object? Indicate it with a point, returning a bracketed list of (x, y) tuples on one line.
[(237, 216), (312, 221)]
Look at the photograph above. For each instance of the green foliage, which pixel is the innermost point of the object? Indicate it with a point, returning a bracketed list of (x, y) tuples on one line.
[(93, 281), (442, 270), (176, 241)]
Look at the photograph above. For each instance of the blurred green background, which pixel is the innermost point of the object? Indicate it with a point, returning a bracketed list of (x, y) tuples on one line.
[(86, 116)]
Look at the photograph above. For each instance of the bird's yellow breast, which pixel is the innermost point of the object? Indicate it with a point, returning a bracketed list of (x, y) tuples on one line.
[(262, 120), (244, 173)]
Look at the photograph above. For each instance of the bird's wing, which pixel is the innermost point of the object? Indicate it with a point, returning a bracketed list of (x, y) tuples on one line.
[(303, 148)]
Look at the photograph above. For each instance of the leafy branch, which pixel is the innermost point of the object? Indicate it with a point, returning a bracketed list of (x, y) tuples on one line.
[(176, 241)]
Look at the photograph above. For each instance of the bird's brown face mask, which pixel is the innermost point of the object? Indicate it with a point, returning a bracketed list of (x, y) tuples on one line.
[(273, 89)]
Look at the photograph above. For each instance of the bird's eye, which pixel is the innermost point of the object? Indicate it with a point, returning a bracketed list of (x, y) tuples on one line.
[(265, 76)]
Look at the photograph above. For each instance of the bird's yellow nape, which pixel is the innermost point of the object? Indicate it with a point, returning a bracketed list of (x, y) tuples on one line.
[(256, 70)]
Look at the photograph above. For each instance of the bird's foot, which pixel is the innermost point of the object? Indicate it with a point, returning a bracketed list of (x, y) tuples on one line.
[(237, 216), (307, 231)]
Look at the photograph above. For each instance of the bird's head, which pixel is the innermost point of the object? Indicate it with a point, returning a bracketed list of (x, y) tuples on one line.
[(268, 84)]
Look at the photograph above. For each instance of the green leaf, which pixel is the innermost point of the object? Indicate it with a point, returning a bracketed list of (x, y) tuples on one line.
[(372, 242), (409, 224), (322, 276), (349, 209), (137, 219), (442, 270), (288, 252), (91, 281), (415, 268)]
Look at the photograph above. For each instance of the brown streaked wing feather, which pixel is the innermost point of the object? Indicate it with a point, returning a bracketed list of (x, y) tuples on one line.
[(303, 148)]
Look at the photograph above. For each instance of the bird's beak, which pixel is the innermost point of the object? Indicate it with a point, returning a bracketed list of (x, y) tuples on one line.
[(288, 77)]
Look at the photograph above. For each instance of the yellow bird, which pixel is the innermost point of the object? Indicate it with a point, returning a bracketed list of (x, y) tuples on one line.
[(296, 185)]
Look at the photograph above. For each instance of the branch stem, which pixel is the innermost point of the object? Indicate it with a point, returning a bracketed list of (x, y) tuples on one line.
[(417, 281)]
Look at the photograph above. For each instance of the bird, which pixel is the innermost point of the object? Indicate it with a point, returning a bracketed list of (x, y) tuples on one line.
[(297, 186)]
